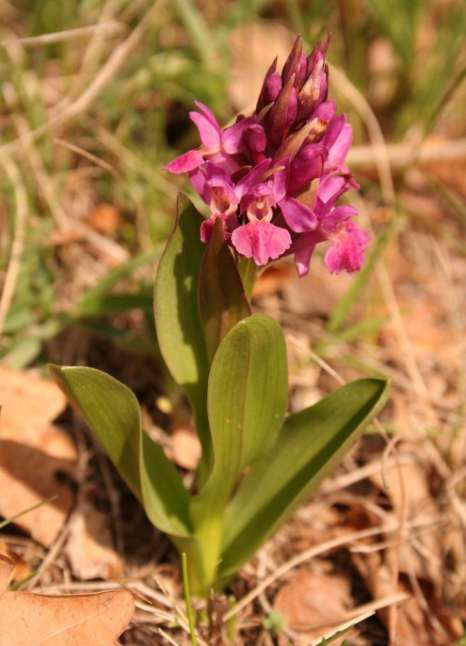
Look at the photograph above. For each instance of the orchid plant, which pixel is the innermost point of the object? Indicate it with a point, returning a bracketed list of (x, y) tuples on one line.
[(272, 182)]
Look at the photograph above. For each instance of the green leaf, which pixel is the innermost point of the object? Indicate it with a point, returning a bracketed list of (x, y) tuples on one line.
[(222, 300), (176, 310), (247, 399), (310, 443), (112, 411)]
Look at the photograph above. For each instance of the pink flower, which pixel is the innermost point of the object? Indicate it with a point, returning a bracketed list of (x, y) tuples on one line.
[(347, 249), (261, 240), (219, 145), (275, 177)]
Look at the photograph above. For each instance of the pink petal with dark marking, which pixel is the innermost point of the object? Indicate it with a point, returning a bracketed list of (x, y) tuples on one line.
[(261, 240)]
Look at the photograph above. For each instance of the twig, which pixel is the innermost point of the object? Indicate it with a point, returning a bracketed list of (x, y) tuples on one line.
[(51, 554), (348, 479), (169, 639), (342, 628)]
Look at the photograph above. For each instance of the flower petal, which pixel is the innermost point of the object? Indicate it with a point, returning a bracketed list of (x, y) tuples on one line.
[(254, 176), (333, 220), (303, 248), (347, 251), (298, 216), (185, 163), (340, 145), (306, 166), (261, 240), (206, 123), (270, 88)]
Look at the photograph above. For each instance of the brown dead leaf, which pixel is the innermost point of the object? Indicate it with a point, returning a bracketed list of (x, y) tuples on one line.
[(89, 547), (23, 392), (104, 218), (98, 619), (7, 568), (186, 448), (413, 626), (32, 452), (408, 490), (312, 602)]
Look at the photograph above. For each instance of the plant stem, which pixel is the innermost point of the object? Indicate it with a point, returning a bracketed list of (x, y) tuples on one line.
[(187, 598), (248, 271), (205, 552)]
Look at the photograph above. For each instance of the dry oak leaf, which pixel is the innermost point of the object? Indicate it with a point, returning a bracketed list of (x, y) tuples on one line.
[(32, 452), (311, 602), (407, 486), (89, 547), (29, 619)]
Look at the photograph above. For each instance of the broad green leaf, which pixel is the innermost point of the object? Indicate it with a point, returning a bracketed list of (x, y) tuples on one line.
[(112, 411), (247, 399), (310, 443), (222, 300), (176, 310)]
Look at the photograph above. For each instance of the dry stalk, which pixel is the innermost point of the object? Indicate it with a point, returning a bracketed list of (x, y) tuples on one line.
[(104, 30), (17, 246)]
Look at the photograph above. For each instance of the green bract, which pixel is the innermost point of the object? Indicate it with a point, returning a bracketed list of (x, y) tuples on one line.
[(257, 463)]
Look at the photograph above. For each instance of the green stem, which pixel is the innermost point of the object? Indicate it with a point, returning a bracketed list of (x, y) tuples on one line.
[(205, 552), (248, 271), (187, 598)]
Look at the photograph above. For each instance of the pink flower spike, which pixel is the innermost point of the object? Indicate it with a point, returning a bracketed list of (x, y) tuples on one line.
[(185, 163), (347, 251), (261, 240), (298, 216)]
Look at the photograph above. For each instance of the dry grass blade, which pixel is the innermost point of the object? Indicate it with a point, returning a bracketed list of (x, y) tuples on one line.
[(17, 246), (105, 29), (118, 58), (366, 113), (317, 550), (400, 156)]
